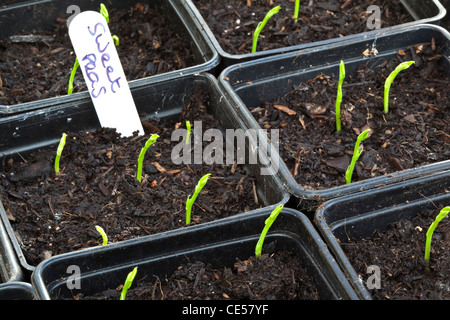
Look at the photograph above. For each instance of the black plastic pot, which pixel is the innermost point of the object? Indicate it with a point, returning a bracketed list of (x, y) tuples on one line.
[(42, 15), (446, 20), (249, 84), (359, 215), (219, 242), (10, 269), (17, 291), (426, 11), (163, 99)]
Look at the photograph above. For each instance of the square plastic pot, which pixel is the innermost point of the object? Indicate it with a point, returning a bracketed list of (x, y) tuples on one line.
[(219, 242), (251, 83), (42, 15), (359, 215), (163, 99), (10, 268), (17, 291), (424, 11)]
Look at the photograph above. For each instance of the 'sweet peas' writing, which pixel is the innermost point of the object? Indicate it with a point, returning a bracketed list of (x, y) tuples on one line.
[(91, 63), (103, 73)]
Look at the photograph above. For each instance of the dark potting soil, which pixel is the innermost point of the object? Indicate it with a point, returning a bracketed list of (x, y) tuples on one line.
[(399, 253), (52, 214), (415, 132), (278, 276), (233, 22), (148, 46)]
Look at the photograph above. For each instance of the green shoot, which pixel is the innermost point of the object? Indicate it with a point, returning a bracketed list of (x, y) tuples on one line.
[(445, 211), (62, 143), (149, 142), (128, 283), (72, 76), (103, 234), (390, 79), (188, 127), (268, 223), (190, 201), (116, 40), (261, 25), (296, 9), (105, 14), (356, 153), (339, 96)]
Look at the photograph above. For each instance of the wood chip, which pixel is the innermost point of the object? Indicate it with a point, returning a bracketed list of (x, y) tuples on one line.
[(159, 167), (300, 119), (285, 109)]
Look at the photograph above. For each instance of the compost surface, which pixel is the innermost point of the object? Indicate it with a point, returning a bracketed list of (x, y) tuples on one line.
[(276, 276), (233, 22), (52, 214), (149, 45), (399, 253), (414, 132)]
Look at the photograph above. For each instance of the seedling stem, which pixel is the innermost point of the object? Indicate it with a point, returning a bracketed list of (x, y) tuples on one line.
[(390, 79), (190, 201), (356, 153), (339, 96), (296, 9), (444, 212), (128, 283), (62, 143), (261, 25), (147, 145), (268, 223), (188, 127), (103, 234)]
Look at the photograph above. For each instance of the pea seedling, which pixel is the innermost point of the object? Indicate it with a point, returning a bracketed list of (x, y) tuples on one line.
[(339, 96), (103, 234), (390, 79), (444, 212), (190, 201), (105, 14), (296, 9), (128, 283), (62, 143), (147, 145), (261, 25), (188, 127), (268, 223), (356, 153)]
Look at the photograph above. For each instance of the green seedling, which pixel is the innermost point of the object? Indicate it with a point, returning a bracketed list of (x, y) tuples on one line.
[(268, 223), (190, 201), (188, 127), (105, 14), (390, 79), (147, 145), (261, 25), (339, 96), (128, 283), (356, 153), (62, 143), (103, 234), (444, 212), (296, 9)]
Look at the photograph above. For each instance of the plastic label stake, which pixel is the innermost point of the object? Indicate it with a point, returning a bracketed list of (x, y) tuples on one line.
[(103, 73)]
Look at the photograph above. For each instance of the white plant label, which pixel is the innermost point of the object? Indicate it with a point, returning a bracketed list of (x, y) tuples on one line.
[(103, 73)]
